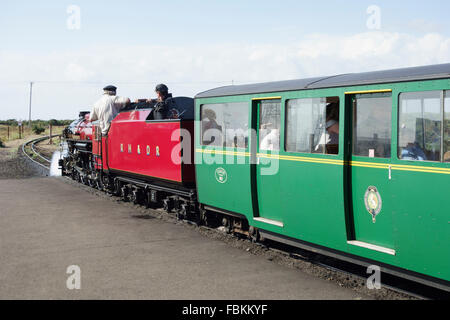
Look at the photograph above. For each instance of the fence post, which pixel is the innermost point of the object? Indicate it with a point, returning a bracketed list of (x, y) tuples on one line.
[(50, 141), (8, 132)]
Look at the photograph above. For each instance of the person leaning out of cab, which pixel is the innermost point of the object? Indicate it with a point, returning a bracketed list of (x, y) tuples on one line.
[(163, 104)]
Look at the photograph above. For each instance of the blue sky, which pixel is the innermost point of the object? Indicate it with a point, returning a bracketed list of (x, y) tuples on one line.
[(40, 25), (196, 45)]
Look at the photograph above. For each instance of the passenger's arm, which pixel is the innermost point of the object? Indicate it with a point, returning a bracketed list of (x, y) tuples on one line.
[(122, 102), (93, 115)]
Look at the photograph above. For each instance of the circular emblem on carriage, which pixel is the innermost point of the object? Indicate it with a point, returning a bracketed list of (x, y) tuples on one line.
[(373, 202), (221, 175)]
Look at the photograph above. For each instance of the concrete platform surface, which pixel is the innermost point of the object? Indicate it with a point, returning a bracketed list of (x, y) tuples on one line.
[(47, 225)]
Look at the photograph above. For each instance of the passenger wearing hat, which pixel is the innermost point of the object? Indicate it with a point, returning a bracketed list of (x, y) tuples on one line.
[(330, 137), (164, 102), (107, 108)]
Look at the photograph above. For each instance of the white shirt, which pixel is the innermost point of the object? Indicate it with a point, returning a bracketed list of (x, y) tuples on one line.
[(106, 109), (271, 142)]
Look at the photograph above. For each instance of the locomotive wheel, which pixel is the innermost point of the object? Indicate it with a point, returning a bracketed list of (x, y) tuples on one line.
[(182, 212), (167, 205), (124, 193), (135, 196)]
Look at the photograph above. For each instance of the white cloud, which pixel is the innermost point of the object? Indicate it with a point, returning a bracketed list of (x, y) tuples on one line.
[(191, 69)]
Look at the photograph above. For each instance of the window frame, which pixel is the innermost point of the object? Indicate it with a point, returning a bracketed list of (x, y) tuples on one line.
[(285, 135), (442, 131), (373, 95), (258, 105), (445, 92), (201, 144)]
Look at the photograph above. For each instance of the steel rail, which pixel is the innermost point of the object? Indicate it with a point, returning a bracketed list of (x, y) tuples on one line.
[(33, 142), (38, 154)]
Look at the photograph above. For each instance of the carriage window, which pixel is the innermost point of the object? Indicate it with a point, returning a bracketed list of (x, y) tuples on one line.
[(447, 127), (269, 125), (312, 125), (225, 125), (420, 121), (372, 125)]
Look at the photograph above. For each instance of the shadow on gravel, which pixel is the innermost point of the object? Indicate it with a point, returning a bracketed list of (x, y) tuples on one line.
[(143, 217)]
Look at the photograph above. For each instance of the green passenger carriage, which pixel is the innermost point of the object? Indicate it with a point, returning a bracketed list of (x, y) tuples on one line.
[(355, 166)]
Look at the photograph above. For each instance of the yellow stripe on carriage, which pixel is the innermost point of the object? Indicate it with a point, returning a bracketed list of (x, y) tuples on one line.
[(361, 164), (369, 91)]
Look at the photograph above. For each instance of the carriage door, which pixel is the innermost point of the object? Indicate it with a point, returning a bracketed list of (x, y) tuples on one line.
[(267, 207), (370, 170)]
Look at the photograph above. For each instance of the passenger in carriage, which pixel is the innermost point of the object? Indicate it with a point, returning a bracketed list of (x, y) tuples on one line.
[(447, 156), (330, 138), (413, 151), (211, 130), (107, 108), (332, 124), (271, 140)]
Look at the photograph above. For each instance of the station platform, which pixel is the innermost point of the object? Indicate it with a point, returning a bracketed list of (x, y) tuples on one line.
[(48, 224)]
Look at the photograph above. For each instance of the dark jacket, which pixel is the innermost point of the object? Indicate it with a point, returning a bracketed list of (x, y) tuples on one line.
[(162, 108)]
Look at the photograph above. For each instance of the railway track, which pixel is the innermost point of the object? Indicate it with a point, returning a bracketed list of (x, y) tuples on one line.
[(30, 152)]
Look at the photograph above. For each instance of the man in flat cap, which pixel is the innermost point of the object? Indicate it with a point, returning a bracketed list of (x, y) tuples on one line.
[(107, 108)]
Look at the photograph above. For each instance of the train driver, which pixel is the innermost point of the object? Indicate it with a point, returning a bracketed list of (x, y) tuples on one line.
[(163, 104), (107, 108)]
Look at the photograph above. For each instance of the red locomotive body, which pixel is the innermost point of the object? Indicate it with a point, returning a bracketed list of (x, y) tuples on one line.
[(151, 149)]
